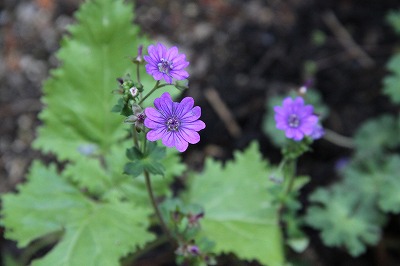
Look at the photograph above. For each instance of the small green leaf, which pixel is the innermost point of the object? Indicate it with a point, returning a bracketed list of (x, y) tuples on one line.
[(239, 214), (151, 161)]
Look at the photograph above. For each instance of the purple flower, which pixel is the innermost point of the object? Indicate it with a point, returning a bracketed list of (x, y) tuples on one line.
[(175, 123), (163, 63), (295, 118)]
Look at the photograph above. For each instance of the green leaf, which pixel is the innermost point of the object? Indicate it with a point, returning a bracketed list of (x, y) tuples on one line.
[(345, 218), (110, 184), (391, 83), (42, 206), (47, 204), (379, 180), (239, 215), (376, 136), (150, 162), (78, 95), (394, 19), (389, 197), (101, 237)]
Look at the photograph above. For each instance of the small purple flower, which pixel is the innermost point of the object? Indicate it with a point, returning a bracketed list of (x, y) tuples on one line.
[(295, 118), (175, 123), (163, 63)]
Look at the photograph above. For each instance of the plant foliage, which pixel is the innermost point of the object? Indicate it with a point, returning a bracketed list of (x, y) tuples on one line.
[(100, 213), (239, 214)]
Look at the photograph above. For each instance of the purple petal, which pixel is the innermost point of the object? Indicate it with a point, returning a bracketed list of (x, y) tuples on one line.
[(194, 125), (161, 51), (151, 69), (180, 61), (307, 129), (290, 133), (192, 115), (179, 75), (299, 101), (151, 50), (156, 134), (287, 103), (168, 139), (153, 114), (158, 75), (181, 65), (298, 135), (180, 143), (305, 111), (313, 119), (164, 104), (190, 136), (172, 53), (279, 110), (153, 124), (151, 60), (281, 125), (184, 106), (167, 78)]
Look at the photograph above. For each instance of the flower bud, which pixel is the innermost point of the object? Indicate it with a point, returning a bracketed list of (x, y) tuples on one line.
[(193, 249), (182, 84), (134, 91), (139, 58)]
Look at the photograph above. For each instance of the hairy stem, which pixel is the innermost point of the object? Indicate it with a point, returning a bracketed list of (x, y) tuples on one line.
[(135, 137), (290, 175), (156, 209), (338, 139), (157, 86)]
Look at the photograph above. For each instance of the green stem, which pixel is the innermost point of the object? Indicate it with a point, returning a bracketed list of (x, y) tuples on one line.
[(157, 86), (338, 139), (290, 175), (156, 209), (138, 73), (135, 137)]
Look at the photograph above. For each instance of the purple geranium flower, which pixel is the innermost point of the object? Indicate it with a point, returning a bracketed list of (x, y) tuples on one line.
[(175, 123), (166, 63), (295, 118)]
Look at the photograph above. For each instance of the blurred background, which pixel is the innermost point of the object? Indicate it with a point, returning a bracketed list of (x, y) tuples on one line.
[(241, 53)]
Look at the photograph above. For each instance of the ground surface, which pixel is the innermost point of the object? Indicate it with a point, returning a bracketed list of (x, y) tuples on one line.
[(243, 51)]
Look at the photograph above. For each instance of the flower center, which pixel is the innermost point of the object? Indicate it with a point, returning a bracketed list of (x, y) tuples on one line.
[(293, 121), (173, 124), (165, 66)]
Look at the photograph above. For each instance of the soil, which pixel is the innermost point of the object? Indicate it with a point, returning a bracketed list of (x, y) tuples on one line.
[(241, 53)]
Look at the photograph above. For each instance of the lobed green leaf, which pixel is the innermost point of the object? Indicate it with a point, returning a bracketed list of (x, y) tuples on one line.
[(78, 95), (48, 204), (239, 214)]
